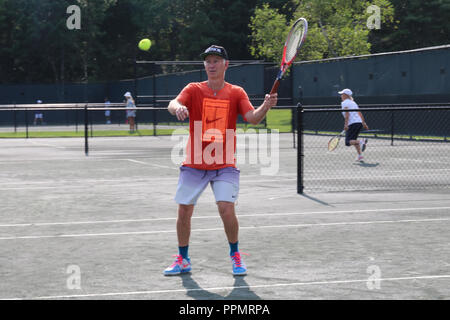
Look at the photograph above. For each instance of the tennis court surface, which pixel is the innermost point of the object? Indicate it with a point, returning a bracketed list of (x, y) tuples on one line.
[(103, 227)]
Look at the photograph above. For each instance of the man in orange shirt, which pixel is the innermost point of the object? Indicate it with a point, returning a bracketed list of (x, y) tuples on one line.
[(212, 107)]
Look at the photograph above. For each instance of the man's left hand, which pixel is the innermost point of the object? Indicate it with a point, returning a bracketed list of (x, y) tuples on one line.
[(270, 100)]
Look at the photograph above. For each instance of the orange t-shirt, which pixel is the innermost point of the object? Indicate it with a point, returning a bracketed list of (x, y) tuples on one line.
[(212, 124)]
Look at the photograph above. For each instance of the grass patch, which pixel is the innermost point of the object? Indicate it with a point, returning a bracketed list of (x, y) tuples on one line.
[(42, 134), (280, 119), (276, 119), (102, 133)]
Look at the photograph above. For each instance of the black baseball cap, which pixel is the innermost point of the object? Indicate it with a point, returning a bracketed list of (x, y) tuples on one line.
[(215, 50)]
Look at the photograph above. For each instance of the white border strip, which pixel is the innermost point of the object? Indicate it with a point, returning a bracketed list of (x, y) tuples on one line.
[(331, 282), (304, 225), (274, 214)]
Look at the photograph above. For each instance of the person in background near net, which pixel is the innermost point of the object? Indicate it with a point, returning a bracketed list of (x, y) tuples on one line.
[(354, 122), (212, 107), (131, 110), (38, 116), (107, 112)]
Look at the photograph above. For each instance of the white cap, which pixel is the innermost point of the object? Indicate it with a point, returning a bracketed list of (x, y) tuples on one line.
[(346, 91), (127, 94)]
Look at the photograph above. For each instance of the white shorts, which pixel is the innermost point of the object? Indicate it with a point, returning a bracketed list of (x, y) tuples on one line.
[(192, 182)]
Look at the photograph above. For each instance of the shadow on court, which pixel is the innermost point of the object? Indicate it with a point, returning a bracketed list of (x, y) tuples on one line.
[(241, 290), (366, 164), (315, 200)]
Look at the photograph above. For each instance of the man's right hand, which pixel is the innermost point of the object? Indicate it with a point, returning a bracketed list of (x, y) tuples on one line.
[(182, 113)]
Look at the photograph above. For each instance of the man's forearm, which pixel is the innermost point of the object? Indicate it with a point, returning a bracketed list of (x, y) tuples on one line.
[(260, 113)]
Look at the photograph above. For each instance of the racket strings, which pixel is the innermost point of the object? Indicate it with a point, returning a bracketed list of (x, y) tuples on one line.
[(333, 143), (294, 40)]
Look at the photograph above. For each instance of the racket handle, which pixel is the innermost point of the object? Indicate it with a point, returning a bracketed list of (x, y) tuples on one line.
[(275, 86)]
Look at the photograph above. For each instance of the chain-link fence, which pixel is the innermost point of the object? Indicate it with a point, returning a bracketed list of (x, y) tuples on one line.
[(76, 120), (408, 147), (71, 120)]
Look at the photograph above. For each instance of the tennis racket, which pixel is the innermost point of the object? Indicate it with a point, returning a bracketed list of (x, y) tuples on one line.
[(334, 141), (294, 41)]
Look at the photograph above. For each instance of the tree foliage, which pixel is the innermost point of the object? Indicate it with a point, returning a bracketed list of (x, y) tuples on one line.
[(37, 47), (418, 24), (336, 28)]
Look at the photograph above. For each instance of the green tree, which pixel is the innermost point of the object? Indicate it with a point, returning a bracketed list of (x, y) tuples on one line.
[(419, 23), (37, 45), (336, 28)]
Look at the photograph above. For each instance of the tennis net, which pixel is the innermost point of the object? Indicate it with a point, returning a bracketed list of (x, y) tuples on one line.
[(408, 147)]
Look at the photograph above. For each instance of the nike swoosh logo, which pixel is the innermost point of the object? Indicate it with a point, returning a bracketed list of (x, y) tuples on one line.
[(209, 121)]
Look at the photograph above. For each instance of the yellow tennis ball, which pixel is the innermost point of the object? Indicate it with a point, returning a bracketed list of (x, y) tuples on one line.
[(145, 44)]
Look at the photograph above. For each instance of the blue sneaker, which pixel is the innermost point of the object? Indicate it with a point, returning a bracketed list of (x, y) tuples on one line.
[(179, 266), (239, 268)]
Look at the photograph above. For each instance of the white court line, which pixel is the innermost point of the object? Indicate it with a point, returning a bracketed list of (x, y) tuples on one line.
[(150, 164), (30, 185), (34, 188), (376, 177), (71, 184), (67, 187), (274, 214), (45, 144), (250, 287), (81, 158), (419, 160), (81, 186), (221, 229), (351, 170), (82, 181), (150, 179)]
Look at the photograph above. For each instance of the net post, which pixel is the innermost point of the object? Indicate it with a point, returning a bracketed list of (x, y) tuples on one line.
[(76, 120), (136, 94), (15, 119), (26, 122), (293, 124), (295, 110), (154, 85), (86, 130), (392, 128), (91, 120), (154, 121), (300, 185)]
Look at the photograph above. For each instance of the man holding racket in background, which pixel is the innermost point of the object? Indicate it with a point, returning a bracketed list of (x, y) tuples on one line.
[(212, 107), (354, 122)]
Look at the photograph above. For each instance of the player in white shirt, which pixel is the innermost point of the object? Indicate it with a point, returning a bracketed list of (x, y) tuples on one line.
[(354, 122), (107, 112), (38, 116), (131, 110)]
